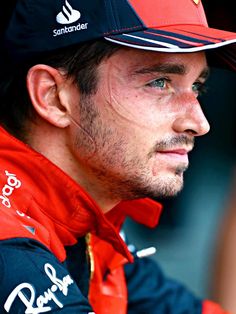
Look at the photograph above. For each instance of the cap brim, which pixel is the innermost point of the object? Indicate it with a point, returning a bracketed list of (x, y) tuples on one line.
[(179, 39)]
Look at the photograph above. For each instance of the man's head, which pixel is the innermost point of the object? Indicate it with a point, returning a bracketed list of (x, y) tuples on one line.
[(118, 120)]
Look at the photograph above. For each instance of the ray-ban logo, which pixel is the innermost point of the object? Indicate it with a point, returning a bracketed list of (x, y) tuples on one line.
[(68, 15), (35, 304)]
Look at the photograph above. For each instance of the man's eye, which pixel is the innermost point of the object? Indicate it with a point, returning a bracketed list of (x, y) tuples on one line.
[(158, 83), (199, 88)]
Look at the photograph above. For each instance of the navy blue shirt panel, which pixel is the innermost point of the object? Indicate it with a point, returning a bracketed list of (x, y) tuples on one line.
[(32, 278), (150, 292), (78, 265), (34, 281)]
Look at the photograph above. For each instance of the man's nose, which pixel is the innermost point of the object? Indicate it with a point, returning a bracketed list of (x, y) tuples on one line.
[(191, 119)]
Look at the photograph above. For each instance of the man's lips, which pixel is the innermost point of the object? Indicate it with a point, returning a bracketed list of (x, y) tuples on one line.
[(179, 151), (175, 155)]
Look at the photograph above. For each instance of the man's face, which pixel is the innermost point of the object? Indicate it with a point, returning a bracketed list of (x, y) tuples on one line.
[(133, 135)]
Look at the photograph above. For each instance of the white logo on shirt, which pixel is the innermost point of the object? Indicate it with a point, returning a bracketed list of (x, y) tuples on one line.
[(12, 184), (43, 300)]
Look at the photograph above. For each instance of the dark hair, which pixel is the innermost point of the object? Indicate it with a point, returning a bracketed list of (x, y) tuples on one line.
[(79, 63)]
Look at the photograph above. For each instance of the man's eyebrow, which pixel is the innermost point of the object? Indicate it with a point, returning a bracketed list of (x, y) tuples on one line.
[(162, 68), (167, 68)]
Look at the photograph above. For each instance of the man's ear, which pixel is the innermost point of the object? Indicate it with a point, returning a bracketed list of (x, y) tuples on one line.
[(46, 90)]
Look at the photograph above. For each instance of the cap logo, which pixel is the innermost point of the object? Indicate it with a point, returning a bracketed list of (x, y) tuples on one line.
[(68, 15), (196, 1)]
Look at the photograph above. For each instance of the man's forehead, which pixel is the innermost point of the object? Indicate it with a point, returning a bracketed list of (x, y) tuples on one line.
[(134, 62)]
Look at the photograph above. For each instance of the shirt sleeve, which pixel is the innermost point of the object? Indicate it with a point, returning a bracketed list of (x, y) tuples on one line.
[(150, 292), (33, 281)]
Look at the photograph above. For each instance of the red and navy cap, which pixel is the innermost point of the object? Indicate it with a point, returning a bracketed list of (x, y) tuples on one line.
[(38, 26)]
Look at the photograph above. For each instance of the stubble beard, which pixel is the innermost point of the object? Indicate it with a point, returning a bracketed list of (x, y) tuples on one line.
[(109, 153)]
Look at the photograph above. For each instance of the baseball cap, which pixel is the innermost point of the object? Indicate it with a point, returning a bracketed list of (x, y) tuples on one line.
[(39, 26)]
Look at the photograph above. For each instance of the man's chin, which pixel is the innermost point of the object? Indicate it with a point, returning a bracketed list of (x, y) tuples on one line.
[(170, 186), (166, 184)]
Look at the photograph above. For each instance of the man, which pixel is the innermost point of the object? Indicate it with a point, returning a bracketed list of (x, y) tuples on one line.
[(99, 110)]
